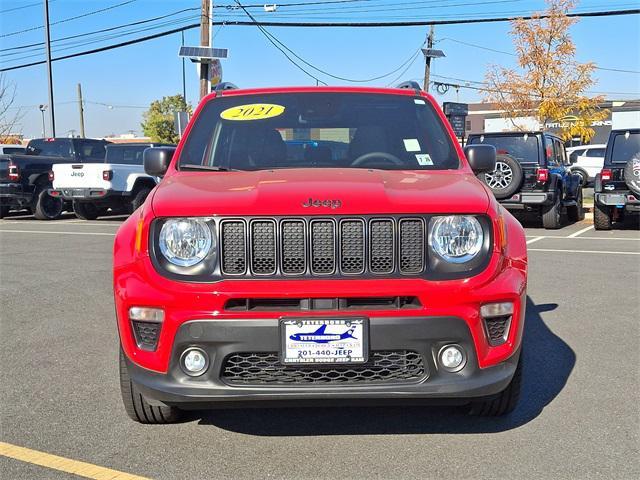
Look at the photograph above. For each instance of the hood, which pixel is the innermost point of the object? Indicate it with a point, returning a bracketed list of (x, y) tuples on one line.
[(325, 191)]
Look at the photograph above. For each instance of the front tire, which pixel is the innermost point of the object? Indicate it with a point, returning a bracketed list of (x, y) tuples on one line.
[(602, 217), (505, 402), (47, 207), (552, 215), (137, 406), (85, 211)]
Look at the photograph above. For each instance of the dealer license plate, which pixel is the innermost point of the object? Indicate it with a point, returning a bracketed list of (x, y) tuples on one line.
[(324, 340)]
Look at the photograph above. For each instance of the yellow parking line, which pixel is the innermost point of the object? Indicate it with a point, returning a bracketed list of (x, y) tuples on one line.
[(82, 469)]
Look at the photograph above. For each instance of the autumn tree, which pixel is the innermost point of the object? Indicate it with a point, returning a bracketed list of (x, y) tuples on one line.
[(550, 84), (158, 121)]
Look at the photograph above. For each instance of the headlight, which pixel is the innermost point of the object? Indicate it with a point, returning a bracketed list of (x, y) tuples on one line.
[(185, 241), (456, 238)]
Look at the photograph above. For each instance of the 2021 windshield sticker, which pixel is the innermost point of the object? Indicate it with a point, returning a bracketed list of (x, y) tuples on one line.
[(254, 111)]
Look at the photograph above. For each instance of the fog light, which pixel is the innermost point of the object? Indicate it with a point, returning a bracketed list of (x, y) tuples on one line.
[(194, 362), (145, 314), (452, 357), (496, 309)]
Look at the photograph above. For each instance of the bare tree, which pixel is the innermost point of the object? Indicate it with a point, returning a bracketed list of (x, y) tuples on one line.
[(9, 114)]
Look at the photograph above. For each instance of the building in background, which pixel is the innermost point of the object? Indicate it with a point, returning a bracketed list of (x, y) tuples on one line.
[(485, 117)]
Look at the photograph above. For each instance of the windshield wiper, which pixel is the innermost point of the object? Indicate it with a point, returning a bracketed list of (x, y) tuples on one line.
[(209, 168)]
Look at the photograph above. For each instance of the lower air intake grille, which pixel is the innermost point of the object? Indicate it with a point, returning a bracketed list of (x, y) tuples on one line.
[(397, 366), (498, 329), (146, 334)]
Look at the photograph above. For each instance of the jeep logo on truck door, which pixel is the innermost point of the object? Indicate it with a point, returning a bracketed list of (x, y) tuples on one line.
[(333, 204)]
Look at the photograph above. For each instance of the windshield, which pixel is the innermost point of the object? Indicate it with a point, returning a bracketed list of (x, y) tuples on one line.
[(523, 148), (625, 147), (50, 148), (319, 130), (129, 155)]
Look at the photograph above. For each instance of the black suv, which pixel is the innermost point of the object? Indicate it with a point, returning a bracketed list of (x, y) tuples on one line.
[(617, 186), (532, 175)]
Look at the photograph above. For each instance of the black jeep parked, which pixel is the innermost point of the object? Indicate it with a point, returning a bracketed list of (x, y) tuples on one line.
[(617, 186), (532, 175)]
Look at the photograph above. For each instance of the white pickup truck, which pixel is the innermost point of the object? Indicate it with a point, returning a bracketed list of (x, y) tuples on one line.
[(119, 183)]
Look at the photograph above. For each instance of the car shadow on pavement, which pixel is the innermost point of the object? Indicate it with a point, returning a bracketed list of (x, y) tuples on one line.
[(548, 362)]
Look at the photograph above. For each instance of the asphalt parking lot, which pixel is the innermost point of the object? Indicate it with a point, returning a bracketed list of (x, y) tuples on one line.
[(579, 416)]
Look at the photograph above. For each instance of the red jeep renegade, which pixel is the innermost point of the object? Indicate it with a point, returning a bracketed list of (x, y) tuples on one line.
[(319, 244)]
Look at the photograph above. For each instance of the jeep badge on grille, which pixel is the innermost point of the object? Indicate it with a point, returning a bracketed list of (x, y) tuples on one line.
[(333, 204)]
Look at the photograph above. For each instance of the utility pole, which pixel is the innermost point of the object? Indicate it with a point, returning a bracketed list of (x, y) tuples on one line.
[(427, 59), (184, 78), (81, 110), (52, 117), (205, 41)]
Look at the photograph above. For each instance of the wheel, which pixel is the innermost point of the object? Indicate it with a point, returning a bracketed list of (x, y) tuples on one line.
[(4, 211), (552, 215), (584, 178), (47, 207), (631, 221), (137, 407), (139, 198), (602, 217), (85, 211), (504, 402), (506, 179), (576, 214)]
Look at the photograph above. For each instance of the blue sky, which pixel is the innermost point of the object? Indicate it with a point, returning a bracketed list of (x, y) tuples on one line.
[(133, 76)]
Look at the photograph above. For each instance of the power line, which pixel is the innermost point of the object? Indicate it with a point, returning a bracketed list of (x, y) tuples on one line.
[(316, 25), (37, 4), (620, 70), (117, 27), (69, 19)]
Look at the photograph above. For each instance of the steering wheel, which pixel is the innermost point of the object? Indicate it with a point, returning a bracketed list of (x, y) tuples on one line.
[(363, 159)]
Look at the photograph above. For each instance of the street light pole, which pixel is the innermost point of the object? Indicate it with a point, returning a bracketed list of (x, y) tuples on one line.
[(52, 117), (44, 130)]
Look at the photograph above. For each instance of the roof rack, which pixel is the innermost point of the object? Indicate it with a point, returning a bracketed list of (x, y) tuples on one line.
[(225, 86), (410, 85)]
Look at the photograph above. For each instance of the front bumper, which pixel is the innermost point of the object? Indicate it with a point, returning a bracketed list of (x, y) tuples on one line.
[(621, 199), (525, 200), (222, 338), (13, 194)]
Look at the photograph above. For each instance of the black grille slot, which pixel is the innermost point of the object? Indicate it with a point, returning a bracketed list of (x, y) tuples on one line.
[(381, 245), (352, 246), (293, 247), (263, 248), (146, 334), (412, 245), (497, 329), (323, 247), (234, 248), (336, 303), (257, 368)]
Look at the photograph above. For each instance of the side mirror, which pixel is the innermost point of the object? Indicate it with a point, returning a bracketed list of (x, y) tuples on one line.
[(481, 158), (573, 160), (157, 159)]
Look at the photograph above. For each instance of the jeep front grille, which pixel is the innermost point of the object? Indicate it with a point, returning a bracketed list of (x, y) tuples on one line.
[(322, 246)]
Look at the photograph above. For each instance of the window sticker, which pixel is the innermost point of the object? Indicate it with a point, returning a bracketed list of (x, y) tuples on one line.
[(254, 111), (411, 145), (419, 101), (424, 159)]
